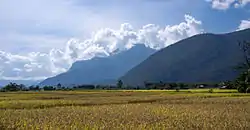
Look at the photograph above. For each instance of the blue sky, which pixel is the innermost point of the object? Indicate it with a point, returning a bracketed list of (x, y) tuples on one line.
[(60, 20), (39, 36)]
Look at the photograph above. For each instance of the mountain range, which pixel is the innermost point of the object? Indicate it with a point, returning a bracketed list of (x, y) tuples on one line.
[(201, 58), (101, 70)]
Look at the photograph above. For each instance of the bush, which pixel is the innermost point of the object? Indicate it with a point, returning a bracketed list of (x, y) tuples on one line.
[(210, 90), (248, 90), (2, 90), (48, 88), (173, 85), (241, 89), (14, 87)]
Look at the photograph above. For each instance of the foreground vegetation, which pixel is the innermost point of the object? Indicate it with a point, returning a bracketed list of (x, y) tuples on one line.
[(114, 109)]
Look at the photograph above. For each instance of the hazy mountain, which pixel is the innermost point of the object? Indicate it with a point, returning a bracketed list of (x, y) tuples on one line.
[(101, 70), (25, 82), (201, 58)]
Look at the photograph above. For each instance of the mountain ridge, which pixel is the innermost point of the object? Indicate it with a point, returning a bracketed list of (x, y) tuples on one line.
[(172, 64), (98, 70)]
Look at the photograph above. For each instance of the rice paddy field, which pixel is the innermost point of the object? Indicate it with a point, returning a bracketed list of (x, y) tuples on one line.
[(114, 109)]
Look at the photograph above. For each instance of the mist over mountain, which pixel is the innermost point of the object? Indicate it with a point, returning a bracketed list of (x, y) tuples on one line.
[(105, 70), (201, 58), (25, 82)]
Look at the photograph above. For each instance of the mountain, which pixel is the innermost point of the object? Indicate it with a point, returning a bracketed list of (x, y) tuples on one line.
[(101, 70), (201, 58)]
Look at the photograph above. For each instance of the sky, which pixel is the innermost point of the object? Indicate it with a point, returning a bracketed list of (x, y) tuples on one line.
[(42, 38)]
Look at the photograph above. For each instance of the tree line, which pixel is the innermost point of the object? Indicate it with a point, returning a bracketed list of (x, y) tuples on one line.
[(147, 85)]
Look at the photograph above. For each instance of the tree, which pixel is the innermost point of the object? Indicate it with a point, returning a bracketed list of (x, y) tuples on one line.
[(248, 90), (21, 86), (59, 86), (48, 88), (37, 88), (173, 85), (242, 82), (14, 87), (182, 85), (31, 87), (229, 85), (34, 88), (119, 84)]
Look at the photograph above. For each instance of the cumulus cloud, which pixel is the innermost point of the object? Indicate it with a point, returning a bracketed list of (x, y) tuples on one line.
[(103, 43), (244, 24), (31, 66), (225, 4), (221, 4), (241, 3)]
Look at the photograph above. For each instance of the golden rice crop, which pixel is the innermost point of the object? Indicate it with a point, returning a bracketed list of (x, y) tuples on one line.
[(124, 110)]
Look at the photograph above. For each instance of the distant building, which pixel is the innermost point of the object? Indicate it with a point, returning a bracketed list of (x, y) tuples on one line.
[(201, 86), (223, 87)]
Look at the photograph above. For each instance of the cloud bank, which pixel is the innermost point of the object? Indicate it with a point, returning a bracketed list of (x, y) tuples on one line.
[(102, 43)]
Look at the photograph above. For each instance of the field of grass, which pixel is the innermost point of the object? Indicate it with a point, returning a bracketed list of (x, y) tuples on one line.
[(114, 109)]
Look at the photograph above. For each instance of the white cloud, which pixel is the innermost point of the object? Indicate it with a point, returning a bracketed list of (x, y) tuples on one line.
[(242, 3), (225, 4), (32, 65), (102, 43), (156, 37), (221, 4), (244, 24)]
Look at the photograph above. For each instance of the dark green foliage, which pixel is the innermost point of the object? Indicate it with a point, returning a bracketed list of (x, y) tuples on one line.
[(230, 85), (210, 90), (85, 86), (183, 86), (173, 85), (119, 84), (216, 85), (248, 90), (59, 86), (48, 88), (241, 89), (243, 80), (152, 85), (34, 88), (14, 87), (177, 89), (241, 86)]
